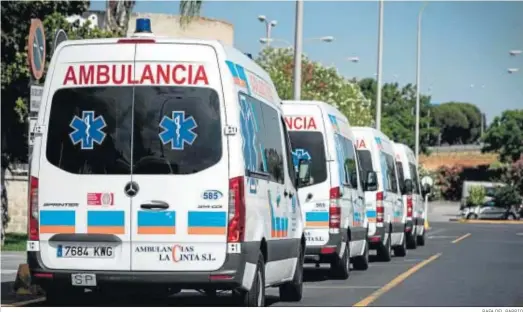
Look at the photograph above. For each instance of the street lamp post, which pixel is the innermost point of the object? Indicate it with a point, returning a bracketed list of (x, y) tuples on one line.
[(379, 65), (298, 49), (268, 27), (418, 81)]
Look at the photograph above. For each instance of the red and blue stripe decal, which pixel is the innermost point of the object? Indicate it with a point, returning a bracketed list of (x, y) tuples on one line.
[(106, 222), (157, 222), (207, 223), (239, 76), (57, 221)]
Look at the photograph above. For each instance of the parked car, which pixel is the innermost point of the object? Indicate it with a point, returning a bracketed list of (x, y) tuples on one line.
[(489, 210)]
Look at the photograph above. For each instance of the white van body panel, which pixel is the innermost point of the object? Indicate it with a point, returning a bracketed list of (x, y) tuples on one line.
[(410, 171), (377, 143), (325, 119), (186, 228)]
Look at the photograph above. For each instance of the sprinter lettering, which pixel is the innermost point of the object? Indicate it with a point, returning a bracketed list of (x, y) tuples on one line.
[(300, 123), (177, 74)]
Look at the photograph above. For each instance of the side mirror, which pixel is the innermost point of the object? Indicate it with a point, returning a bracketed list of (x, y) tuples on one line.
[(304, 173), (409, 186), (371, 183)]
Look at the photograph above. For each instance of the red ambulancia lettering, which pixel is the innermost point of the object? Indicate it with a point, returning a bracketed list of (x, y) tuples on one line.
[(300, 123), (151, 74), (360, 144)]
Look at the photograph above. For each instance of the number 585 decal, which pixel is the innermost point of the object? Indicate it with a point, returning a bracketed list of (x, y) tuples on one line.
[(212, 195)]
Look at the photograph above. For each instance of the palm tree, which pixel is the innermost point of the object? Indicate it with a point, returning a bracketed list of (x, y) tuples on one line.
[(189, 9)]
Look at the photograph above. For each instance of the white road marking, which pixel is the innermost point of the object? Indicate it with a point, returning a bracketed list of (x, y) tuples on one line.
[(9, 271), (519, 234), (446, 237)]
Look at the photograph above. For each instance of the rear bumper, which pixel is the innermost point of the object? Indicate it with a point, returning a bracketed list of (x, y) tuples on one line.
[(233, 274), (376, 240), (323, 253)]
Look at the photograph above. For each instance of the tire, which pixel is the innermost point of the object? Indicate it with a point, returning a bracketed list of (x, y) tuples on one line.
[(293, 291), (385, 251), (64, 296), (361, 263), (401, 251), (340, 267), (421, 238), (255, 297), (412, 242)]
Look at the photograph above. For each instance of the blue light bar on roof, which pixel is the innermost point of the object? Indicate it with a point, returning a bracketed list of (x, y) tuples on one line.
[(143, 25)]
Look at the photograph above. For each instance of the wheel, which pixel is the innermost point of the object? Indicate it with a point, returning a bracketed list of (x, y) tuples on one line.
[(293, 291), (255, 297), (64, 296), (412, 242), (472, 216), (385, 251), (340, 267), (361, 263), (401, 251), (421, 238)]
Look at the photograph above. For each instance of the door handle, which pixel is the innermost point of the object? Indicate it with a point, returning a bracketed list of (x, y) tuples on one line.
[(155, 204)]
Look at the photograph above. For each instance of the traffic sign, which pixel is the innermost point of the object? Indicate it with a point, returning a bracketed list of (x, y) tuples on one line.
[(36, 98), (427, 180), (36, 48), (59, 36)]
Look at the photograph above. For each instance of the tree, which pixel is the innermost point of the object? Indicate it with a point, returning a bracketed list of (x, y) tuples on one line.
[(118, 14), (460, 123), (318, 83), (16, 16), (398, 119), (189, 9), (505, 135)]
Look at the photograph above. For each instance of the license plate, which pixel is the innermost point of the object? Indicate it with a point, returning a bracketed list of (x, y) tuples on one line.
[(83, 279), (84, 251)]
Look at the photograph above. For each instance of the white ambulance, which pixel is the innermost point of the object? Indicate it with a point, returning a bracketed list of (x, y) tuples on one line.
[(333, 204), (386, 217), (412, 193), (162, 164)]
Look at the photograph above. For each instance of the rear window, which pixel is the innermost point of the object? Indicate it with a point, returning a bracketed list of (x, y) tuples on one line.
[(173, 130), (365, 160), (310, 145)]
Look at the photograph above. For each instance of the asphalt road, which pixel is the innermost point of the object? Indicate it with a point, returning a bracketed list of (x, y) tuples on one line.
[(476, 265)]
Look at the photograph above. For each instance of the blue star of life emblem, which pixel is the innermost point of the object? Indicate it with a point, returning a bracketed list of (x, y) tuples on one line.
[(87, 130), (178, 130), (298, 154)]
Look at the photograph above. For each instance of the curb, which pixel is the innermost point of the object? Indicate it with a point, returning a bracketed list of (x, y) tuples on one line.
[(486, 221)]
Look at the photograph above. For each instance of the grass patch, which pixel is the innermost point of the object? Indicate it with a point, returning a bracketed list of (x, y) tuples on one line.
[(15, 242)]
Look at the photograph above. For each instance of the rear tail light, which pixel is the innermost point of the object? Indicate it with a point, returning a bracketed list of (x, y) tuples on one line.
[(334, 210), (380, 210), (236, 229), (34, 233), (409, 206)]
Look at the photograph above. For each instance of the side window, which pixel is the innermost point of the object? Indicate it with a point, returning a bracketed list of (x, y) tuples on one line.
[(272, 143), (288, 152), (360, 168), (401, 176), (252, 131), (415, 180), (350, 162), (391, 173)]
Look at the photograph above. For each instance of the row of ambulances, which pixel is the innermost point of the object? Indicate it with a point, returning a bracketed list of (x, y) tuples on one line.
[(164, 164)]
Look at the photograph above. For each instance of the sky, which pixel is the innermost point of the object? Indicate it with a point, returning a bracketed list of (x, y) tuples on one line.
[(464, 47)]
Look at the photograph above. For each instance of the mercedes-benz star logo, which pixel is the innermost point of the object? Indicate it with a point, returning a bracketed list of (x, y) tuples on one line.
[(131, 189)]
